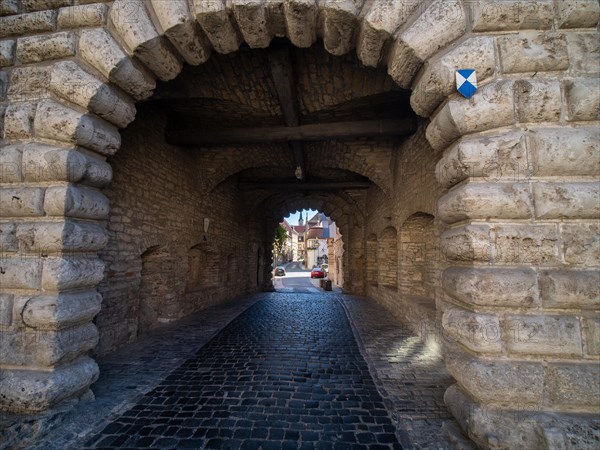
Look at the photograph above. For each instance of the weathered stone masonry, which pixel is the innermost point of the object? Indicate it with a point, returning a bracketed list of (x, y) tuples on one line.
[(508, 181)]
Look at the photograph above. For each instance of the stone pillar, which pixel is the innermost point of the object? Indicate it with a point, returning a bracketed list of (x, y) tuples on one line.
[(521, 243), (51, 226)]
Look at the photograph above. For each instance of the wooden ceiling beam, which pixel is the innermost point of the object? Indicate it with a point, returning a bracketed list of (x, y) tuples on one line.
[(312, 132)]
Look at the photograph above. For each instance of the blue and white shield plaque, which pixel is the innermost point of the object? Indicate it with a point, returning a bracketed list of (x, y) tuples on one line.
[(466, 82)]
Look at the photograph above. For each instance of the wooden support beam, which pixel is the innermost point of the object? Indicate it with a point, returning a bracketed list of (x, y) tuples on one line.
[(312, 132), (308, 186)]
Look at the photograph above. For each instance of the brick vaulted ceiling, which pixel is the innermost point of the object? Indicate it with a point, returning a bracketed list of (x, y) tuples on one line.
[(242, 91)]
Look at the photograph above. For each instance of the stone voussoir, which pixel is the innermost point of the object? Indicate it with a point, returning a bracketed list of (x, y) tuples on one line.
[(133, 24), (583, 99), (379, 24), (438, 79), (56, 121), (301, 22), (98, 48), (573, 386), (21, 201), (21, 272), (182, 30), (47, 238), (217, 23), (72, 83), (468, 243), (7, 52), (533, 52), (339, 25), (253, 22)]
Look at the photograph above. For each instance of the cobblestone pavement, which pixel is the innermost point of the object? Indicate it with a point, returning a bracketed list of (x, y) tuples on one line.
[(287, 373)]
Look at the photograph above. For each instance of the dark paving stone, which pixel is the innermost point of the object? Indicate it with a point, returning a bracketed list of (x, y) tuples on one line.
[(286, 373)]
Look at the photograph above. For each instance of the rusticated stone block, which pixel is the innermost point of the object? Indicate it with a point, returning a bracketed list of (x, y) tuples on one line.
[(497, 381), (573, 386), (10, 164), (533, 52), (61, 274), (179, 27), (591, 345), (18, 118), (99, 49), (45, 47), (132, 22), (581, 243), (491, 107), (21, 202), (583, 99), (468, 243), (70, 82), (76, 201), (20, 273), (47, 163), (570, 289), (492, 287), (578, 13), (6, 309), (9, 7), (300, 19), (505, 15), (38, 5), (28, 83), (53, 312), (81, 16), (36, 22), (7, 53), (379, 23), (32, 390), (565, 151), (584, 52), (486, 200), (438, 80), (537, 101), (55, 121), (477, 332), (543, 335), (567, 200), (48, 238), (526, 244), (8, 238), (47, 348), (502, 157)]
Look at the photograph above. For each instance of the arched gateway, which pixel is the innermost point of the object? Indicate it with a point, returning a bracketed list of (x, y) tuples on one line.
[(515, 192)]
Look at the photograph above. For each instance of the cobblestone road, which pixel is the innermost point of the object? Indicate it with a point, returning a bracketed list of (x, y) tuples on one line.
[(285, 374)]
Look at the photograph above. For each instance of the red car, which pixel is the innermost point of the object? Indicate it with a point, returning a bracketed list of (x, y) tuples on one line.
[(317, 272)]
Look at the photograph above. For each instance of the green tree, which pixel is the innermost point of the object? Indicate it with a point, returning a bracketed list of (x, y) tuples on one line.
[(279, 243)]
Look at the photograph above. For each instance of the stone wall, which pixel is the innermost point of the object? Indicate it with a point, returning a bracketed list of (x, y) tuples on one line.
[(517, 193), (158, 205)]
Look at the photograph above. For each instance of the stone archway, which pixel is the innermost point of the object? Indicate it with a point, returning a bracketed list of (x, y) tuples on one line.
[(521, 243)]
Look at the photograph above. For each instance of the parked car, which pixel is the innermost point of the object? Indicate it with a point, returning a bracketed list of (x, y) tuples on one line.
[(325, 268), (280, 271), (317, 272)]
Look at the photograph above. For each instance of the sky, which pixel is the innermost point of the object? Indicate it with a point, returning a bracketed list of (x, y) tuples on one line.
[(292, 219)]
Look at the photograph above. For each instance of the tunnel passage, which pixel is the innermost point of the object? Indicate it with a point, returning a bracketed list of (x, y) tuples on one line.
[(217, 156)]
